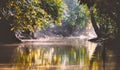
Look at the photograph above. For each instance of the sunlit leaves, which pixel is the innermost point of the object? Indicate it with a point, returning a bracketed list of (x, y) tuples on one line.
[(55, 9), (33, 14)]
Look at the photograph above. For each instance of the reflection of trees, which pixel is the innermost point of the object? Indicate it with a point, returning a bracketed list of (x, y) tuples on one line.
[(51, 56)]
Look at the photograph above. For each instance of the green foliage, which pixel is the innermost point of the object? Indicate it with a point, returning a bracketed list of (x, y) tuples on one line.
[(106, 15), (107, 12), (77, 14), (106, 25), (54, 8), (32, 14)]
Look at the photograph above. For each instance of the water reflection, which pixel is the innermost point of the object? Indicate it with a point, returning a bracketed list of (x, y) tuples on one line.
[(62, 57), (50, 55), (58, 55)]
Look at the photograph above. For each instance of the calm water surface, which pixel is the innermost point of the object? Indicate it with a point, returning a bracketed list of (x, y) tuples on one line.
[(72, 54)]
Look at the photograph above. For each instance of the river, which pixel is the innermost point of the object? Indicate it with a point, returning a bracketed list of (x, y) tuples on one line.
[(57, 54)]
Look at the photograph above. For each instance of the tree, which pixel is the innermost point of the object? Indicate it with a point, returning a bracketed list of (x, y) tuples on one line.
[(90, 5), (76, 18), (106, 17), (28, 15)]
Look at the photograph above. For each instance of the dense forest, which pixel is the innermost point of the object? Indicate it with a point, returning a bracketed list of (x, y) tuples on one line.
[(29, 15), (104, 17)]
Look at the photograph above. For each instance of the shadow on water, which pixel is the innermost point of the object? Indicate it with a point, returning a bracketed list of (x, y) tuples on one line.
[(106, 57), (67, 55), (112, 60), (5, 53)]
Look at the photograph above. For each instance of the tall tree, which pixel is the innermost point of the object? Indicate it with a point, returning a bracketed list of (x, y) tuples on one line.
[(90, 4), (28, 15), (106, 16)]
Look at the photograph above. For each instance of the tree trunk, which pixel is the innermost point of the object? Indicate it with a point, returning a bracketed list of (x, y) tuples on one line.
[(94, 24), (6, 35)]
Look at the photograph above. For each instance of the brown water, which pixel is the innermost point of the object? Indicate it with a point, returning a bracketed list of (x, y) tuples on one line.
[(58, 55)]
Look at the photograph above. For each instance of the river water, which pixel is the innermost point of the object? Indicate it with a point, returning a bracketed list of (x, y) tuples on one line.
[(57, 54)]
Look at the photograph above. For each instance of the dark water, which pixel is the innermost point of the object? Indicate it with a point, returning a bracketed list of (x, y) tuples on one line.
[(58, 55)]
